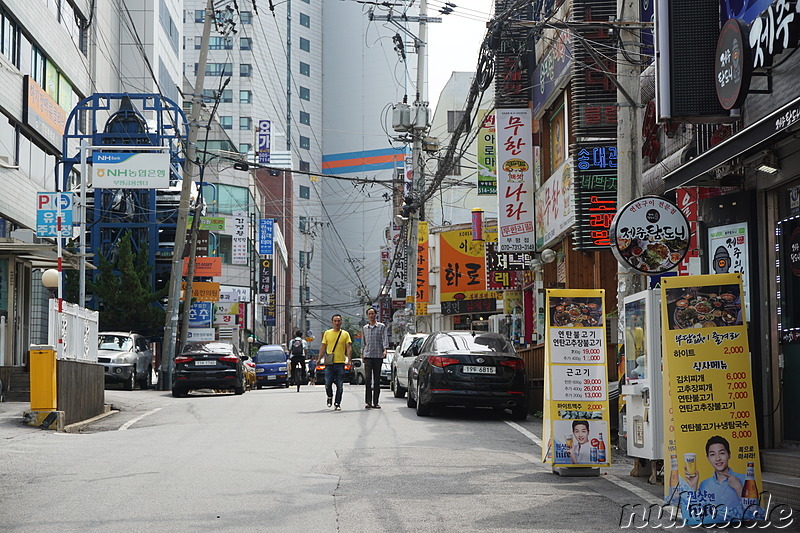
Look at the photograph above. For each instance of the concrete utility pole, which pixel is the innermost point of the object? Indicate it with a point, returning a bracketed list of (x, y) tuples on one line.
[(629, 127), (173, 303)]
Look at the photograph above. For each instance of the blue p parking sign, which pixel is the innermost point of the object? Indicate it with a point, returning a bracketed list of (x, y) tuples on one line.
[(47, 214)]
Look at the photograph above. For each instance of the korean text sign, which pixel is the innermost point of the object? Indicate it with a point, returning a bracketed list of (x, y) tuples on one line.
[(422, 295), (576, 423), (239, 239), (142, 170), (487, 162), (265, 235), (710, 430), (47, 214), (462, 271), (514, 134)]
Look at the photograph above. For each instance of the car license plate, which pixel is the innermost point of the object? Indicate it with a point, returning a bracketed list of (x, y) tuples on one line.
[(479, 369), (205, 363), (271, 377)]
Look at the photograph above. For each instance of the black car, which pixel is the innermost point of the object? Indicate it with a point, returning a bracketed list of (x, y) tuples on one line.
[(469, 368), (209, 365)]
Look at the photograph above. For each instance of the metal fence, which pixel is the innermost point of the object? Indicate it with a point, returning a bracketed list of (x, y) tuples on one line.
[(78, 328)]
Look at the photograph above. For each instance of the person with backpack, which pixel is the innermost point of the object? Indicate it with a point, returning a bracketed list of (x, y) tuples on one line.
[(297, 353)]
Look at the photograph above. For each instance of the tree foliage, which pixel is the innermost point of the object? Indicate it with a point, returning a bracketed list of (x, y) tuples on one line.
[(126, 297)]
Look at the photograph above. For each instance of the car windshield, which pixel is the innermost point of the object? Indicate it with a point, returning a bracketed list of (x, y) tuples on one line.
[(452, 342), (271, 356), (209, 347), (118, 343)]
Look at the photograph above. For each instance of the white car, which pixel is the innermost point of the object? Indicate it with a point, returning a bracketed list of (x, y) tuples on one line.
[(402, 362)]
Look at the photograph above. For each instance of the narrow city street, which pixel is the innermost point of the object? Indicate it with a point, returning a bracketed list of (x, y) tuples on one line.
[(279, 460)]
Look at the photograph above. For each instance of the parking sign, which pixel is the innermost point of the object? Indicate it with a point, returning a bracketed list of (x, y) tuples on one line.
[(47, 214)]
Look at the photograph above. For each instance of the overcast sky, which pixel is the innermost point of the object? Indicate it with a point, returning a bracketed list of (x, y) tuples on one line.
[(453, 44)]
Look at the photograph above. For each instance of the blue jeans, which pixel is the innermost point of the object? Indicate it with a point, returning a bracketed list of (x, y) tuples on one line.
[(334, 372)]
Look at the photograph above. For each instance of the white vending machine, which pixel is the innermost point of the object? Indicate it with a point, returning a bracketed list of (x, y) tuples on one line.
[(642, 388)]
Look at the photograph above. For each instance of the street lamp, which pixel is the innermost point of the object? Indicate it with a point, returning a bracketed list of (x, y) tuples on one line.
[(50, 280)]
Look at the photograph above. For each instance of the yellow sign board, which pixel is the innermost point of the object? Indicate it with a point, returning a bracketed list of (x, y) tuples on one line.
[(576, 414), (203, 291), (710, 429)]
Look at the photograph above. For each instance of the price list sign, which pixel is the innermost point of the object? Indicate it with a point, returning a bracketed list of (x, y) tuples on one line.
[(576, 421), (710, 427)]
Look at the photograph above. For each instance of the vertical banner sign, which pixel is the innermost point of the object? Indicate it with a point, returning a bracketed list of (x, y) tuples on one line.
[(706, 362), (515, 180), (576, 424), (400, 263), (687, 200), (265, 235), (264, 140), (554, 199), (595, 193), (270, 312), (728, 253), (408, 176), (423, 285), (462, 275), (789, 269), (487, 162), (265, 279), (239, 239)]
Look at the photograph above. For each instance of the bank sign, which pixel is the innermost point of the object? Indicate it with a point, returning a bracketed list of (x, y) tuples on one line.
[(143, 170)]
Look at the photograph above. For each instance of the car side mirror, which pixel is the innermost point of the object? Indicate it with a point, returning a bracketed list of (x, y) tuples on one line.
[(245, 358)]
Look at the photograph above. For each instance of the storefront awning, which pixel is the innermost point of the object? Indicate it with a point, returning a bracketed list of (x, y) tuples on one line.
[(774, 127), (42, 255)]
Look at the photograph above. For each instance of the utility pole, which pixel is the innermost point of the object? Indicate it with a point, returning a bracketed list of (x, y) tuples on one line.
[(418, 126), (173, 303)]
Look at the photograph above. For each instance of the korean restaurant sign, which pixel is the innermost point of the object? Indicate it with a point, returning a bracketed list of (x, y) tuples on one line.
[(514, 135), (462, 274), (554, 206), (732, 65), (487, 162), (595, 194), (43, 113), (576, 410), (650, 235), (711, 434), (728, 252), (551, 73), (134, 170)]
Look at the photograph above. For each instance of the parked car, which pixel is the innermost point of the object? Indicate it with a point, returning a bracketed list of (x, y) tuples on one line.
[(405, 355), (468, 368), (126, 358), (209, 365), (359, 374), (272, 367), (386, 368), (349, 373)]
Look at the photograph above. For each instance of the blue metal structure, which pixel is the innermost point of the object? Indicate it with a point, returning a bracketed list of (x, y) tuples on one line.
[(150, 215)]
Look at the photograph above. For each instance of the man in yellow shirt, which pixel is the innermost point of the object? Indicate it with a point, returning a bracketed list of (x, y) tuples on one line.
[(336, 341)]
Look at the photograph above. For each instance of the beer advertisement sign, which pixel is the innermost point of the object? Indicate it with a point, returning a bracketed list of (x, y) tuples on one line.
[(576, 421), (714, 468)]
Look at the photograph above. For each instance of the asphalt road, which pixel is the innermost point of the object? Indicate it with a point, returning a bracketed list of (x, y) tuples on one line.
[(279, 460)]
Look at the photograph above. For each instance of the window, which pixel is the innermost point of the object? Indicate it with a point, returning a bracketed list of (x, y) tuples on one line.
[(305, 166), (305, 118), (199, 15), (305, 93), (244, 148), (245, 43), (226, 122), (214, 43), (217, 69), (246, 17), (305, 192), (245, 123), (245, 70), (167, 24), (305, 20), (305, 45), (245, 97), (210, 95), (453, 118), (305, 142), (303, 224), (305, 69)]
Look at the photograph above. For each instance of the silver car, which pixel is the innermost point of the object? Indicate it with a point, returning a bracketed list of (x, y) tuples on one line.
[(402, 362), (126, 357)]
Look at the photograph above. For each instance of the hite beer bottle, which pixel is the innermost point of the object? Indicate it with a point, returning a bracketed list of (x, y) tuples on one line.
[(750, 490), (601, 450)]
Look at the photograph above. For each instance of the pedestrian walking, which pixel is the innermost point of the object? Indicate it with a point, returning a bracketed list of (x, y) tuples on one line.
[(376, 341), (336, 348), (312, 370), (297, 350)]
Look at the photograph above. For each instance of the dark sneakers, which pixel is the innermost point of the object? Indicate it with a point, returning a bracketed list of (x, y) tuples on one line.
[(376, 406), (337, 408), (330, 401), (367, 406)]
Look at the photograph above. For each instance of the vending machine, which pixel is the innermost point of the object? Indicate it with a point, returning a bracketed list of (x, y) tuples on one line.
[(642, 385)]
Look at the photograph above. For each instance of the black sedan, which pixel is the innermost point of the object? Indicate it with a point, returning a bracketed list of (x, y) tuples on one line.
[(209, 365), (469, 368)]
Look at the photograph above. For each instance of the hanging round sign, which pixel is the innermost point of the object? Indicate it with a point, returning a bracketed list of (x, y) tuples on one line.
[(650, 235)]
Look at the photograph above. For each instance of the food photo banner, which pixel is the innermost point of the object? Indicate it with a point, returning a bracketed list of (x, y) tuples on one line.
[(576, 422), (715, 472)]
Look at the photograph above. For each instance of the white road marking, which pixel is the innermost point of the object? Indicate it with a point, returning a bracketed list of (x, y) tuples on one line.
[(643, 494), (129, 423)]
